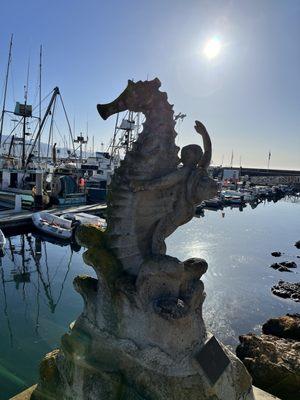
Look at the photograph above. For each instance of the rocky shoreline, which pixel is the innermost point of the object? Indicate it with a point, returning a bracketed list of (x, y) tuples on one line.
[(287, 290), (272, 358)]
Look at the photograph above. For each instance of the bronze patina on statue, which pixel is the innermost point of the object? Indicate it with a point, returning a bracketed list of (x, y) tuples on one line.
[(141, 335)]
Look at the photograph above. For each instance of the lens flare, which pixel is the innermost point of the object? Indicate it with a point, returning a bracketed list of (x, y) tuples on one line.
[(212, 48)]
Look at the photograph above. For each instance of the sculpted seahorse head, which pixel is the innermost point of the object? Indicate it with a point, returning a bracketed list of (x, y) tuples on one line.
[(138, 97), (147, 159)]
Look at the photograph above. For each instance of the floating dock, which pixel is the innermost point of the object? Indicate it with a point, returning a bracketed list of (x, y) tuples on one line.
[(11, 220)]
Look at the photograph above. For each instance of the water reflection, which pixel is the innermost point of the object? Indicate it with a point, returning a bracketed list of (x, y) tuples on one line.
[(26, 256), (237, 245), (37, 303)]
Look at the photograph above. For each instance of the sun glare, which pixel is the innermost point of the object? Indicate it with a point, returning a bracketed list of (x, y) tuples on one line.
[(212, 48)]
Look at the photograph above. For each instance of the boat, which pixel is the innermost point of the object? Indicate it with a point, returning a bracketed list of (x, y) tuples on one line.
[(84, 218), (2, 240), (53, 225)]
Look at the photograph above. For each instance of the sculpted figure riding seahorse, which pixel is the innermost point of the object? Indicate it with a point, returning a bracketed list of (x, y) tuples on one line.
[(151, 194), (189, 181)]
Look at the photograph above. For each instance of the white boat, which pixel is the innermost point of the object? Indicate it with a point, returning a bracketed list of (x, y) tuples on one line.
[(2, 239), (52, 225), (85, 218)]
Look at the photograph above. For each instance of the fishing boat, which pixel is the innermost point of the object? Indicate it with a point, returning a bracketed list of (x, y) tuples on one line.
[(2, 240), (53, 225)]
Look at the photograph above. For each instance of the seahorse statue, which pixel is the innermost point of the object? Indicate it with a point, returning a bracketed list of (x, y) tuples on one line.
[(149, 198), (141, 334)]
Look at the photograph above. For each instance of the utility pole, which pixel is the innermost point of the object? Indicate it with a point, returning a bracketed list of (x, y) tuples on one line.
[(5, 88)]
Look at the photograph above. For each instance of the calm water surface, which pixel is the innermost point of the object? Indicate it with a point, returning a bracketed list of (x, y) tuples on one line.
[(38, 302)]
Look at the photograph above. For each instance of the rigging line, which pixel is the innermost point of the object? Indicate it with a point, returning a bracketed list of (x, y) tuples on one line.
[(68, 122), (5, 309), (65, 278), (46, 287), (51, 127), (49, 94), (5, 88), (59, 132), (38, 308), (46, 260), (15, 127)]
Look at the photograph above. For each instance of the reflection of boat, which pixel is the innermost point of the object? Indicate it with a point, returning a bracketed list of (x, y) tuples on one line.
[(231, 197), (51, 239), (58, 242), (53, 225), (2, 240), (214, 203)]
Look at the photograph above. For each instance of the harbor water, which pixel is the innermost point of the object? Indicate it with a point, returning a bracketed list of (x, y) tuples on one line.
[(38, 301)]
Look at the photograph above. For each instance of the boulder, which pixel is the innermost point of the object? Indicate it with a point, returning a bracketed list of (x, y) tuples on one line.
[(297, 244), (287, 327), (280, 267), (276, 254), (287, 290), (273, 363), (284, 266)]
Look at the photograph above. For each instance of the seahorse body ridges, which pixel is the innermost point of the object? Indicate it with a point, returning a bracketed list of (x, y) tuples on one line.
[(130, 225)]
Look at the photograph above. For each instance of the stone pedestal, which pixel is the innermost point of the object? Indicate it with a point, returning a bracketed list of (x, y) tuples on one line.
[(141, 338)]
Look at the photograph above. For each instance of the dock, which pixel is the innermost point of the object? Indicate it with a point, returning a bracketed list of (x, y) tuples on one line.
[(11, 220)]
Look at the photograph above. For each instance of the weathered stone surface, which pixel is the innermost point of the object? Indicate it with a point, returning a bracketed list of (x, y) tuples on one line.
[(262, 395), (141, 330), (287, 326), (287, 290), (273, 363)]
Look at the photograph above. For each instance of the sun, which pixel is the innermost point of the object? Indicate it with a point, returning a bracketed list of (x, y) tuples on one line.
[(212, 48)]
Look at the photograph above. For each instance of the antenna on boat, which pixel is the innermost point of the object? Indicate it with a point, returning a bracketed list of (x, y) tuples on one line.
[(5, 87)]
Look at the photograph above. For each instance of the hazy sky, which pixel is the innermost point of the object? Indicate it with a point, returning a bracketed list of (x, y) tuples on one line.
[(248, 96)]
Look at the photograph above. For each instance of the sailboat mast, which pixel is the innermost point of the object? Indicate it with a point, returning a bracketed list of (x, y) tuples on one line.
[(40, 101), (5, 87), (24, 118)]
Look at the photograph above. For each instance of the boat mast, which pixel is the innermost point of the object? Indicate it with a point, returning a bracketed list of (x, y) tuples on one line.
[(24, 118), (40, 101), (112, 153), (5, 87)]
